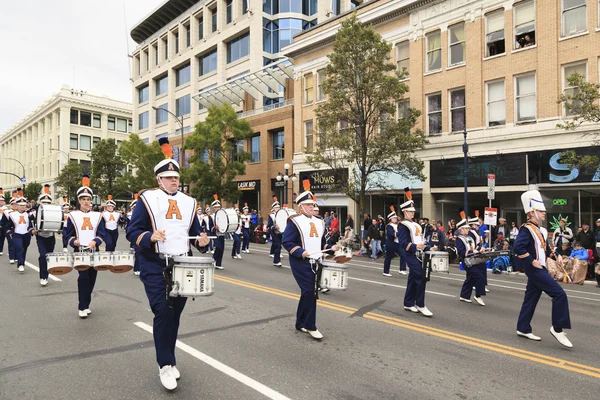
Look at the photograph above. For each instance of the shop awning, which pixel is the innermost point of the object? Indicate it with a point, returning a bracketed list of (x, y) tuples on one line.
[(265, 82)]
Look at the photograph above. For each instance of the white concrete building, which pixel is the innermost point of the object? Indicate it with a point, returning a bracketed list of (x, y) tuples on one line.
[(65, 127)]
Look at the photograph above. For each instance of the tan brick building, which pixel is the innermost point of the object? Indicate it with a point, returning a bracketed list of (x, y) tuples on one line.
[(496, 67)]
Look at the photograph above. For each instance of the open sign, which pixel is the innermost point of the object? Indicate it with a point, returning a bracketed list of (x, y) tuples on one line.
[(559, 202)]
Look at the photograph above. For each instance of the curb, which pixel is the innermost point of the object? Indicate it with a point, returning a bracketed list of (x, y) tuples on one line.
[(586, 282)]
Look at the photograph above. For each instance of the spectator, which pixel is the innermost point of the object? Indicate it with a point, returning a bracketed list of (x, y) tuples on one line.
[(579, 251), (349, 221), (526, 41), (562, 234), (483, 229), (586, 237), (332, 237), (259, 220), (440, 226), (499, 242), (375, 236), (335, 223), (327, 218), (500, 229), (514, 232), (564, 250), (366, 223), (451, 228), (348, 234)]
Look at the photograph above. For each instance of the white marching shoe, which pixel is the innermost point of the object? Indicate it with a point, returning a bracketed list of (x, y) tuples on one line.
[(403, 272), (21, 268), (561, 337), (88, 311), (82, 314), (43, 282), (65, 250), (11, 261), (167, 378), (315, 334), (1, 253), (219, 267), (175, 372), (272, 255), (479, 301), (413, 309), (277, 265), (529, 336), (425, 311), (487, 290), (136, 273), (465, 300), (385, 274)]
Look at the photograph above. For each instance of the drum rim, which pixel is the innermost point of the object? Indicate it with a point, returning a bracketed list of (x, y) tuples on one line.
[(226, 215)]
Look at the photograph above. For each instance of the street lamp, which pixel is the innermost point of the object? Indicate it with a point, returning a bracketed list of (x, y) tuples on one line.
[(63, 152), (22, 166), (466, 173), (286, 178), (181, 147)]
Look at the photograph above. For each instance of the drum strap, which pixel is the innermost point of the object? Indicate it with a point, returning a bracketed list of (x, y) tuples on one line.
[(317, 269), (427, 267), (168, 276)]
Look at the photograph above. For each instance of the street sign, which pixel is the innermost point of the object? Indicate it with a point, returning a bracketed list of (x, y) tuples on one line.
[(490, 216), (23, 180), (491, 186)]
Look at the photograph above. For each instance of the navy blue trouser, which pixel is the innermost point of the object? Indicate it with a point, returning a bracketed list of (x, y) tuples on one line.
[(235, 249), (111, 239), (85, 286), (45, 245), (390, 252), (2, 236), (65, 240), (276, 248), (137, 260), (306, 315), (219, 250), (20, 244), (475, 278), (245, 238), (415, 287), (540, 281), (12, 255)]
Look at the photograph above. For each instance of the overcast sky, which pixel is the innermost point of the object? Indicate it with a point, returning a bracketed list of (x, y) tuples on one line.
[(43, 40)]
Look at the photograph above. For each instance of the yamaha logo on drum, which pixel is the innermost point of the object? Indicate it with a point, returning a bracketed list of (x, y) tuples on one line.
[(202, 281)]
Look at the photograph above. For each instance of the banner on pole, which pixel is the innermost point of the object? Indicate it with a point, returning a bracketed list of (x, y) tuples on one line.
[(490, 216)]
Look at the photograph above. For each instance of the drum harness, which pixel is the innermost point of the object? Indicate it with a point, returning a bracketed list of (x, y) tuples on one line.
[(168, 275), (317, 269)]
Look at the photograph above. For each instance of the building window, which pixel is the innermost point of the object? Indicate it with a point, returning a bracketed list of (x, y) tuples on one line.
[(309, 7), (336, 7), (456, 44), (403, 57), (320, 81), (213, 18), (208, 62), (524, 24), (200, 27), (97, 119), (434, 114), (494, 37), (129, 126), (182, 105), (496, 104), (74, 116), (95, 141), (255, 148), (308, 135), (122, 124), (147, 59), (162, 84), (308, 89), (457, 110), (143, 94), (86, 166), (182, 75), (244, 6), (161, 114), (176, 37), (74, 143), (111, 123), (574, 17), (142, 120), (85, 118), (278, 145), (229, 10), (165, 42), (434, 51), (155, 51), (525, 98), (85, 142), (403, 109), (569, 70), (238, 48), (188, 39)]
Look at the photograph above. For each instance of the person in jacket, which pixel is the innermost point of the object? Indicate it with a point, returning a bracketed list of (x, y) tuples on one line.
[(562, 233), (375, 237)]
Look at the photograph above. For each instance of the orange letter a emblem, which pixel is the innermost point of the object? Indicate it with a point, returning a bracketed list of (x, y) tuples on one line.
[(22, 220), (173, 210), (111, 218), (313, 231), (87, 225)]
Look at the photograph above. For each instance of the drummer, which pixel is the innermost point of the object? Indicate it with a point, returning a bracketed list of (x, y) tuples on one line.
[(220, 240), (66, 209), (19, 229), (245, 222), (3, 209), (466, 246), (207, 226), (479, 245), (275, 233), (85, 232), (304, 238), (237, 236), (12, 258), (46, 241), (132, 246), (392, 244), (111, 223), (165, 210), (412, 246)]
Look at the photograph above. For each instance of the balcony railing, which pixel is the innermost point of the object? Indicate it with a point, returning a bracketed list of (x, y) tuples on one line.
[(265, 109)]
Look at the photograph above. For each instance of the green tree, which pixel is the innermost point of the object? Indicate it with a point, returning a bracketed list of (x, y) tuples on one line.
[(33, 190), (107, 167), (215, 140), (582, 102), (69, 180), (140, 159), (356, 127)]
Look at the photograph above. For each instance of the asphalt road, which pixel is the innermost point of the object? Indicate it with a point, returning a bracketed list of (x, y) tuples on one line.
[(241, 343)]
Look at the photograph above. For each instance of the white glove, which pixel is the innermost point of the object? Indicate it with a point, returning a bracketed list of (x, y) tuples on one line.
[(65, 250)]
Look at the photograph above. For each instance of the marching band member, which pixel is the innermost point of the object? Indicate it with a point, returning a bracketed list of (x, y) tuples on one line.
[(45, 240), (137, 268), (12, 258), (412, 245), (531, 249), (111, 224), (207, 225), (466, 246), (479, 244), (85, 232), (237, 236), (304, 238), (220, 240), (66, 209), (275, 233), (3, 209), (19, 229), (245, 222), (316, 211), (157, 228), (391, 241)]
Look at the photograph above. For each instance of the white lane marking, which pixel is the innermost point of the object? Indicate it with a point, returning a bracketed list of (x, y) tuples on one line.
[(403, 287), (246, 380), (35, 268)]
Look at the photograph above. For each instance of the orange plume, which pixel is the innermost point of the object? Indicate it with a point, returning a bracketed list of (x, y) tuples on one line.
[(47, 189), (477, 213), (1, 192), (392, 209), (285, 206), (274, 198), (110, 197), (85, 181), (64, 199), (167, 150), (14, 195), (463, 215), (245, 204), (216, 196), (20, 192), (315, 198), (408, 193), (206, 205), (135, 196), (306, 184), (235, 206)]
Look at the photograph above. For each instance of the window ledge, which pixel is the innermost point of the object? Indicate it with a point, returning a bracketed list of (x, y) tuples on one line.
[(496, 126), (437, 71), (519, 50), (404, 80), (184, 86), (597, 29), (278, 160), (533, 121), (308, 104), (575, 35), (237, 62), (435, 134), (450, 67), (145, 103), (253, 163), (493, 57), (160, 96), (207, 75), (161, 124)]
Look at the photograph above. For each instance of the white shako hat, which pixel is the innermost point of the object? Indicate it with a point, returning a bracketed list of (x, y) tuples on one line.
[(85, 190), (393, 213), (463, 221), (110, 201), (475, 220), (532, 201), (245, 207), (168, 166), (45, 197), (207, 208), (216, 202), (306, 197), (410, 204), (275, 203)]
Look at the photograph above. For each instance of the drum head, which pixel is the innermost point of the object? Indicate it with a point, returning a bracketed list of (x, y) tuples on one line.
[(222, 220), (281, 218)]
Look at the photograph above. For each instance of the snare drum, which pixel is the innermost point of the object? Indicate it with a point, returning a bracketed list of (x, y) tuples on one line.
[(59, 263), (440, 261), (82, 261), (227, 220), (122, 261), (334, 276), (102, 260), (281, 218), (49, 218), (193, 276)]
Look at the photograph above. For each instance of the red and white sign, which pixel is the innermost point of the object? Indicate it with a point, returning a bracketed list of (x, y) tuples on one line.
[(491, 186), (490, 216)]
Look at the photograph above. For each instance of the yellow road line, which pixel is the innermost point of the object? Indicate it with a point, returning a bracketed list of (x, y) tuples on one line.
[(456, 337)]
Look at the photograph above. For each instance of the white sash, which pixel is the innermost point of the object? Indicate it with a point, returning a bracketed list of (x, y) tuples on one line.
[(110, 225), (539, 236), (468, 242), (395, 226), (246, 220), (477, 236), (416, 235), (311, 233), (21, 222), (86, 225)]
